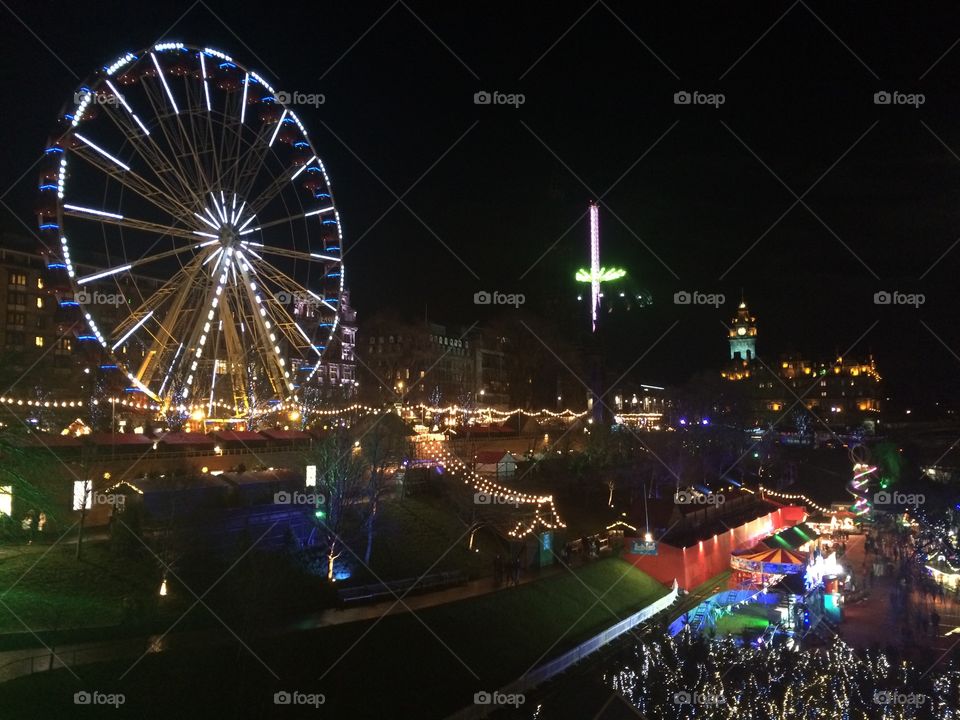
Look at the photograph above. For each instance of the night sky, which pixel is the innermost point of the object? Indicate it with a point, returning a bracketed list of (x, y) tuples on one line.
[(694, 187)]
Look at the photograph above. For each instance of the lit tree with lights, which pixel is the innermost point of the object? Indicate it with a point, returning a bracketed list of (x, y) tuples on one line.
[(341, 479), (863, 474)]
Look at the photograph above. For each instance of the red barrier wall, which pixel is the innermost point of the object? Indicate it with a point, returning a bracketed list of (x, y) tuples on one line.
[(696, 564)]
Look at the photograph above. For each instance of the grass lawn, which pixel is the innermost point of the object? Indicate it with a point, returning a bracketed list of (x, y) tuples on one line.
[(48, 589), (413, 533), (422, 666)]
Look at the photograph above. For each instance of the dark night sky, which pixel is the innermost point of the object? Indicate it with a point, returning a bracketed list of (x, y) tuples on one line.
[(599, 99)]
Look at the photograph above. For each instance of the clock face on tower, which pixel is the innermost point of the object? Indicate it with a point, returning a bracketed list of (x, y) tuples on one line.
[(741, 330)]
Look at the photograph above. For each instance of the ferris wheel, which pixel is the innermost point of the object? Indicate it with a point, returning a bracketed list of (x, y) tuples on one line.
[(196, 234)]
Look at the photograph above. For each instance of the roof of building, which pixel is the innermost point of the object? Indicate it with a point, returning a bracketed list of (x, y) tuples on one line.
[(492, 457), (241, 436), (108, 439), (791, 538), (168, 483), (685, 524), (286, 434), (44, 440), (262, 477), (186, 438)]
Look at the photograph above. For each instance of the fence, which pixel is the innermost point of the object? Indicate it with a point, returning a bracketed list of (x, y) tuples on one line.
[(30, 664), (400, 587), (541, 674)]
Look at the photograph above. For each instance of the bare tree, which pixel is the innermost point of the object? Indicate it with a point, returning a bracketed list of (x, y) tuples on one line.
[(341, 478), (383, 444)]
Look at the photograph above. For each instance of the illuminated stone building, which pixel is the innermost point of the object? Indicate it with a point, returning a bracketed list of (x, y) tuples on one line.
[(840, 391)]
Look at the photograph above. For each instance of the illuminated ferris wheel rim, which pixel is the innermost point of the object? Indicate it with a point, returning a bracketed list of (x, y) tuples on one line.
[(217, 226)]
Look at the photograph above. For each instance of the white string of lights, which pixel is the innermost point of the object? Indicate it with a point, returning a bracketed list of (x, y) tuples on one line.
[(489, 487), (796, 496)]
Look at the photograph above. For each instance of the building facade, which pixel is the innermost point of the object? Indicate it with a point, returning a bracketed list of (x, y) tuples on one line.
[(841, 391)]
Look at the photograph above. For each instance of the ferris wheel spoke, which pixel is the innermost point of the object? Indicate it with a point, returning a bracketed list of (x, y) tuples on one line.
[(255, 339), (143, 261), (288, 284), (167, 173), (301, 338), (236, 355), (178, 155), (177, 284), (273, 223), (288, 323), (167, 347), (108, 218), (248, 171), (136, 184), (202, 315), (281, 181), (296, 254), (177, 291), (278, 373), (231, 139)]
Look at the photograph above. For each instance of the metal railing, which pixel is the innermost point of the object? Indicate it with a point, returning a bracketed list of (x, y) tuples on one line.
[(542, 673), (399, 587)]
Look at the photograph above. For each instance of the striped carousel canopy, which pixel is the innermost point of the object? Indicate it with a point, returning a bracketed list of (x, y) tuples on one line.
[(769, 561)]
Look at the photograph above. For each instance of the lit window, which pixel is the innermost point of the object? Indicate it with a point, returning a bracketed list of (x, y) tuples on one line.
[(39, 283), (38, 341), (40, 302), (82, 495), (6, 500)]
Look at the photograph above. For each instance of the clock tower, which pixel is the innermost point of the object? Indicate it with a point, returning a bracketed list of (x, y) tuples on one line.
[(743, 335)]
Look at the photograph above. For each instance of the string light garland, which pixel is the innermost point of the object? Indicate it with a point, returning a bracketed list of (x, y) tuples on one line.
[(486, 486), (796, 496), (488, 414)]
